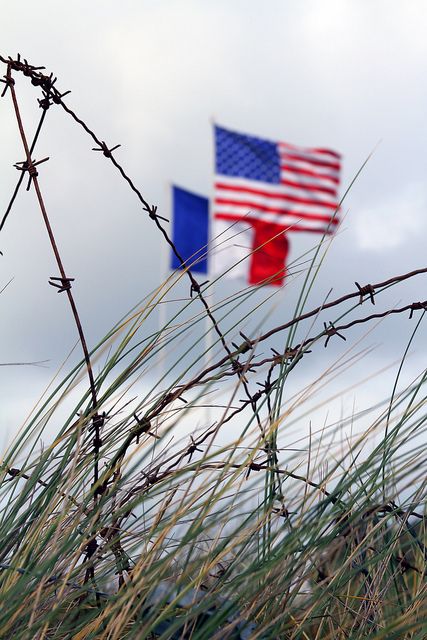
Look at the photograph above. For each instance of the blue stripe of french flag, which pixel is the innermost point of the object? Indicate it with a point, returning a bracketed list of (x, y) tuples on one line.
[(190, 229)]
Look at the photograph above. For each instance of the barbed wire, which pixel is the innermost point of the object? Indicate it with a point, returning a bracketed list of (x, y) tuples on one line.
[(231, 364)]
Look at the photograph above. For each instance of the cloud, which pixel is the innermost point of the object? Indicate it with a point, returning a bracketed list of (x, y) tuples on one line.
[(394, 221)]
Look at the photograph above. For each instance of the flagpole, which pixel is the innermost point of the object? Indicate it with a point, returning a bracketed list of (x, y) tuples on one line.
[(209, 336)]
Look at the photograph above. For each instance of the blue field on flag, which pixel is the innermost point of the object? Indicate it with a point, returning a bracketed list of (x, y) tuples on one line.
[(190, 225)]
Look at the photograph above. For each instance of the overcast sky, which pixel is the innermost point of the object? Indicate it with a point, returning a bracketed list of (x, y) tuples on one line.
[(345, 74)]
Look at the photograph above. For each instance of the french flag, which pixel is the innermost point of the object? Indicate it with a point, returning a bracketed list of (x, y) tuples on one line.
[(251, 251), (263, 191)]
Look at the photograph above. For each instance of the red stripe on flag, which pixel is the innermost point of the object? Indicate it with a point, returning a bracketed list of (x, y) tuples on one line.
[(288, 227), (268, 261), (307, 172), (329, 152), (320, 163), (277, 196), (282, 211), (310, 187)]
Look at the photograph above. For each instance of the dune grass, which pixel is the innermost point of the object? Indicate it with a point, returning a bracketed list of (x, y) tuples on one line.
[(182, 537)]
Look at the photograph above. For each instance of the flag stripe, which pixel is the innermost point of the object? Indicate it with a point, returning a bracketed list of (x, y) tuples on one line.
[(284, 146), (298, 189), (296, 209), (309, 172), (271, 215), (303, 158), (290, 224), (256, 194), (310, 187), (294, 165)]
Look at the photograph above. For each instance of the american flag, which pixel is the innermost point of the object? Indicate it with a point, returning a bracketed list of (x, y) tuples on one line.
[(262, 191), (276, 182)]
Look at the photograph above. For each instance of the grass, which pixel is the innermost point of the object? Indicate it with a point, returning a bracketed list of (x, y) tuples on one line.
[(182, 540), (173, 507)]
